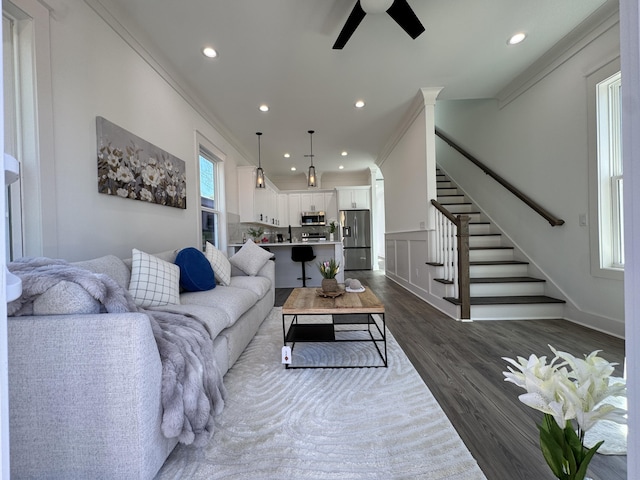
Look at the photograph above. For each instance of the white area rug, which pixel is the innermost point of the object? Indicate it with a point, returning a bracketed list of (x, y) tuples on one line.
[(613, 434), (369, 423)]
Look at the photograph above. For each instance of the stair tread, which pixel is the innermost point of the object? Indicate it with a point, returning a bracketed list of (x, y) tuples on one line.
[(499, 262), (505, 279), (508, 300), (494, 247), (485, 234)]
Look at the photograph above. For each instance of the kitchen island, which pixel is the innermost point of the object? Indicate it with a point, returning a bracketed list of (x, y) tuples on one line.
[(288, 271)]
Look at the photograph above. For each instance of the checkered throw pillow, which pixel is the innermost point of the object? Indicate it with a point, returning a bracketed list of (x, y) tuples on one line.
[(219, 263), (154, 282)]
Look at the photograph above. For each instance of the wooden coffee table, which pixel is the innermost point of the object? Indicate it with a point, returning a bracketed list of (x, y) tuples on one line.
[(355, 317)]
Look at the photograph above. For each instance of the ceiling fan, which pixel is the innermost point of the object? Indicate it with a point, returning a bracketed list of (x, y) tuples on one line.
[(399, 10)]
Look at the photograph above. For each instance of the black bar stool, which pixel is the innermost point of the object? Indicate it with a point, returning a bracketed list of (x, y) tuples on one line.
[(302, 254)]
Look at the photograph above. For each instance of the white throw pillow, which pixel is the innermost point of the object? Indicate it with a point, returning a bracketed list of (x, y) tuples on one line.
[(250, 258), (220, 264), (154, 282)]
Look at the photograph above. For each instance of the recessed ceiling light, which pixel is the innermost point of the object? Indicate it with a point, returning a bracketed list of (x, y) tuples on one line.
[(293, 169), (359, 104), (341, 167), (286, 155), (517, 38), (209, 52), (264, 108), (344, 154)]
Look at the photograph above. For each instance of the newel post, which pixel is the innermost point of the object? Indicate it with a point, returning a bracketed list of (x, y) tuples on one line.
[(464, 289)]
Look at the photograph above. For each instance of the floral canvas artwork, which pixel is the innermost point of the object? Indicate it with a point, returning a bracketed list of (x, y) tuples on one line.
[(131, 167)]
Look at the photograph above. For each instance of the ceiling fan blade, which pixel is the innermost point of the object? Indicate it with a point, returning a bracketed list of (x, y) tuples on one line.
[(404, 16), (355, 17)]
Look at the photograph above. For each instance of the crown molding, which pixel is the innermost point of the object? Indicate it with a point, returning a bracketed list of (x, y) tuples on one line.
[(425, 96), (112, 16), (598, 23)]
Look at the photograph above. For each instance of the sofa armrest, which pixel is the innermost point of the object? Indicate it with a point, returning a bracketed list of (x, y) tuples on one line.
[(84, 395), (269, 271)]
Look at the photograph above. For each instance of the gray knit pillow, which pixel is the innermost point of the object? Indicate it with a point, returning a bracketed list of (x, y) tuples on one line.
[(250, 258)]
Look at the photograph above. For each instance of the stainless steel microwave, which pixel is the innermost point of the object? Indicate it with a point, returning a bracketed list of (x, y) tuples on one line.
[(312, 218)]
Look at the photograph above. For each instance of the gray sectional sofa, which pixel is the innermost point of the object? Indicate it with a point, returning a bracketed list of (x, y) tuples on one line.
[(85, 388)]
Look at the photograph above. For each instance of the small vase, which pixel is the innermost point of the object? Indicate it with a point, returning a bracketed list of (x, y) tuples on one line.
[(331, 237), (329, 285)]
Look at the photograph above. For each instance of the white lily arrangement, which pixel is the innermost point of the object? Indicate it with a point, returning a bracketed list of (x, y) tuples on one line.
[(568, 389)]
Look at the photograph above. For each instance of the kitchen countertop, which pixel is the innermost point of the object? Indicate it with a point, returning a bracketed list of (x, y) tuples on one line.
[(285, 244)]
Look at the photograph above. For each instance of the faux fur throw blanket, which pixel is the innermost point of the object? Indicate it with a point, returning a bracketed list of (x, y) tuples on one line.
[(192, 389)]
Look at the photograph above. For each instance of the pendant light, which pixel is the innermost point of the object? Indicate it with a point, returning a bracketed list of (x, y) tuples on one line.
[(259, 172), (311, 179)]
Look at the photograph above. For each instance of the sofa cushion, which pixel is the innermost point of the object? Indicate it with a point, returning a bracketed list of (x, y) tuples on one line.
[(109, 265), (196, 273), (65, 298), (233, 301), (154, 281), (258, 285), (219, 263), (215, 319), (250, 258)]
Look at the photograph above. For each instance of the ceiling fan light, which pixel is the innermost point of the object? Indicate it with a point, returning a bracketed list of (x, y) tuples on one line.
[(376, 6)]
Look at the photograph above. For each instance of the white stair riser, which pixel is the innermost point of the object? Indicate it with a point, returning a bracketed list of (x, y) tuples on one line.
[(479, 229), (489, 255), (461, 208), (506, 289), (445, 184), (451, 199), (485, 241), (517, 312), (447, 191), (478, 271)]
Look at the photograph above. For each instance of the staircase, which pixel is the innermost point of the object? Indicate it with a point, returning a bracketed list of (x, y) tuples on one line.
[(501, 286)]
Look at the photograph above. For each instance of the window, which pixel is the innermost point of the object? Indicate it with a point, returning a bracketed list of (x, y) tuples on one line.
[(10, 44), (209, 193), (605, 172), (610, 173)]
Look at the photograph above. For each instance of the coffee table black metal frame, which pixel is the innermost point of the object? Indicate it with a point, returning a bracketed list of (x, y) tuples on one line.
[(296, 330)]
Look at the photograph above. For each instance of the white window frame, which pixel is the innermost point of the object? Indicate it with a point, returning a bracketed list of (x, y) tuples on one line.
[(215, 155), (34, 114), (605, 184)]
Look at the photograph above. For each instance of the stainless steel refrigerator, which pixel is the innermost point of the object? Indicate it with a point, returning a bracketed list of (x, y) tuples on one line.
[(356, 239)]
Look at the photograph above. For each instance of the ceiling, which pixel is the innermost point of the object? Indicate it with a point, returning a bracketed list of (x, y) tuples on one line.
[(279, 53)]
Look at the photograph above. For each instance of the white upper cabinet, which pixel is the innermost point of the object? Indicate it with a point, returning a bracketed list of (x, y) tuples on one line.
[(256, 205), (354, 198)]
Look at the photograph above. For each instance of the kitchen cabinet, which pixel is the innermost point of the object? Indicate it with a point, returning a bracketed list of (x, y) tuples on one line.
[(256, 205), (330, 205), (354, 198), (283, 210), (312, 202), (294, 209)]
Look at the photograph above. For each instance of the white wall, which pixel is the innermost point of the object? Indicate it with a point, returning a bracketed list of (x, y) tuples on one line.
[(539, 143), (95, 72), (405, 180)]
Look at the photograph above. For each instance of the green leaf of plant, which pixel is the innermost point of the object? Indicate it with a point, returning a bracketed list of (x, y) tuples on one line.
[(552, 452), (582, 471)]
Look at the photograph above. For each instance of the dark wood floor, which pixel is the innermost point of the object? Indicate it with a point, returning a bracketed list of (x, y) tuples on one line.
[(462, 365)]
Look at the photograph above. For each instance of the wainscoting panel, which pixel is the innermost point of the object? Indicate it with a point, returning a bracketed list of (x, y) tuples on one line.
[(407, 254)]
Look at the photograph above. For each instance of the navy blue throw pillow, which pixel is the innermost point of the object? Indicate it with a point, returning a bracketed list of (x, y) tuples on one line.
[(196, 273)]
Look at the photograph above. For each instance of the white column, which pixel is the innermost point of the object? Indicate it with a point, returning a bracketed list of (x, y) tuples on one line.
[(429, 95)]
